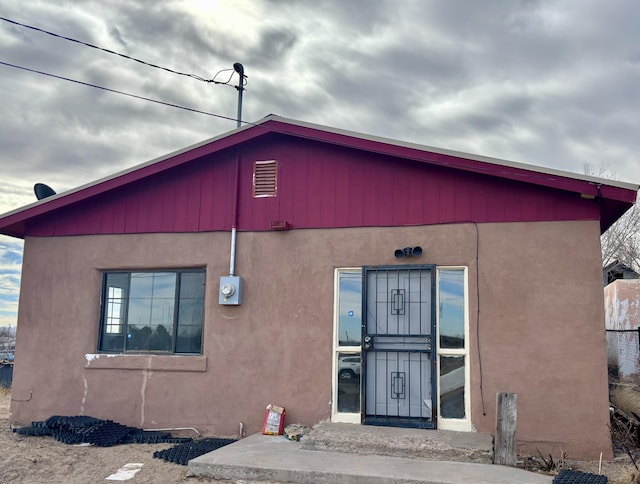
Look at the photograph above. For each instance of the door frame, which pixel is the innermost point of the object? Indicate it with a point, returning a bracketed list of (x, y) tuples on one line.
[(442, 423), (414, 422)]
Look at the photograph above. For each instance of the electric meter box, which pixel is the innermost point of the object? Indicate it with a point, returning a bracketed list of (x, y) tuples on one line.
[(230, 290)]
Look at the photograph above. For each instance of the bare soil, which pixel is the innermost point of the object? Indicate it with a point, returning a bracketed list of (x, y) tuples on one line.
[(25, 459), (619, 471), (32, 460)]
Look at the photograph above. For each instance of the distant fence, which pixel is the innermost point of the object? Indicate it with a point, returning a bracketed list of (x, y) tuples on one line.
[(6, 375), (623, 351)]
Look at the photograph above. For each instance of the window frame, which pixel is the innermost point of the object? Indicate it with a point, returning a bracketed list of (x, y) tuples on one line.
[(106, 319), (459, 424), (344, 350)]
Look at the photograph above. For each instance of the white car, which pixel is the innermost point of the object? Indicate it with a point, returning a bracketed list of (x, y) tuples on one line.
[(348, 367)]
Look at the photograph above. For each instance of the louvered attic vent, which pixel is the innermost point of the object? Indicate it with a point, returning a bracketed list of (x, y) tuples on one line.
[(265, 178)]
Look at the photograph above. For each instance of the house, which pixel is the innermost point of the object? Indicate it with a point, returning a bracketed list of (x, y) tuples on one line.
[(252, 268), (617, 270), (622, 320)]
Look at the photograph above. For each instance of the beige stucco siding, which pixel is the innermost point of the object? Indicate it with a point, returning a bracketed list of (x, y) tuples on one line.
[(540, 325), (542, 334)]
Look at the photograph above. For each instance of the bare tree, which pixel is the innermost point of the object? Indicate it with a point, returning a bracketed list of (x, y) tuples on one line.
[(622, 240), (7, 339)]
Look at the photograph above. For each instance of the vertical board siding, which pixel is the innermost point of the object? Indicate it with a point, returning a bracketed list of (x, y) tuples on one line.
[(167, 207), (299, 192), (342, 206), (320, 185)]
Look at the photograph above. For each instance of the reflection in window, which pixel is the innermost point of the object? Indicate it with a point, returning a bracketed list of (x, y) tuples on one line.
[(150, 317), (153, 311), (452, 387), (190, 307), (348, 382), (451, 317), (115, 308), (350, 308)]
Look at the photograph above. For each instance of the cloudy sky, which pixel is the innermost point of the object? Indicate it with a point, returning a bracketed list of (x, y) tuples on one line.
[(555, 84)]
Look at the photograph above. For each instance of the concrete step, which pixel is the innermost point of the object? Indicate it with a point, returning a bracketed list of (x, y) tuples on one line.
[(276, 459), (439, 445)]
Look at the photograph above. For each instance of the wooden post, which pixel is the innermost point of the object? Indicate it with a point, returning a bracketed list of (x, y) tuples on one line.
[(505, 438)]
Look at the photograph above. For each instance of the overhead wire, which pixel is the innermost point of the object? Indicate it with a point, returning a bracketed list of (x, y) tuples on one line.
[(450, 164), (479, 168), (88, 84), (109, 51)]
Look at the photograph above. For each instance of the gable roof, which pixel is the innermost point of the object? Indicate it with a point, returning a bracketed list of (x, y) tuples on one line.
[(614, 197)]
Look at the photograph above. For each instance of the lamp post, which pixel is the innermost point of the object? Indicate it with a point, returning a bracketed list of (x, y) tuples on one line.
[(240, 87), (235, 281)]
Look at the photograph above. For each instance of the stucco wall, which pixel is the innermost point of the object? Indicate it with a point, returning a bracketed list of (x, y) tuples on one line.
[(540, 325), (542, 335)]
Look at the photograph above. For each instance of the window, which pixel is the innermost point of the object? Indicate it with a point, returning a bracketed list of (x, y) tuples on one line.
[(453, 350), (157, 312), (346, 346)]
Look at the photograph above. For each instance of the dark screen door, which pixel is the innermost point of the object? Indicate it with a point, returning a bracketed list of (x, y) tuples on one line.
[(397, 343)]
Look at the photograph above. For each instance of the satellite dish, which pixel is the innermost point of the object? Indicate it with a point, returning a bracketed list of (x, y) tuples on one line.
[(43, 191)]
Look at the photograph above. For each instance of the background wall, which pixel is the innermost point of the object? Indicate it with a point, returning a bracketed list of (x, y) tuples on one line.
[(622, 312)]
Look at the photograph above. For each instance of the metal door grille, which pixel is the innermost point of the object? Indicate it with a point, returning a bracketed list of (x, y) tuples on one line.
[(397, 333)]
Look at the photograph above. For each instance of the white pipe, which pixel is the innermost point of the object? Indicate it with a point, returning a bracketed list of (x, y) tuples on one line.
[(232, 263), (172, 428)]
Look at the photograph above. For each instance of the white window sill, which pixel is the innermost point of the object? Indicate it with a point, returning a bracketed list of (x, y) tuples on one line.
[(102, 361)]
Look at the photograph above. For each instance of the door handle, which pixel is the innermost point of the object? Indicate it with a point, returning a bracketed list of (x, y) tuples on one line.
[(368, 342)]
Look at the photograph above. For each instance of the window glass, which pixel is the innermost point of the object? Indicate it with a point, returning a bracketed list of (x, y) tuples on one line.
[(348, 382), (115, 302), (153, 311), (452, 386), (350, 308), (190, 313), (115, 310), (451, 317)]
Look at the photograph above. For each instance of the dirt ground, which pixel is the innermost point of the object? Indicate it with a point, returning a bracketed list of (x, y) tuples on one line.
[(619, 471), (44, 460), (34, 460)]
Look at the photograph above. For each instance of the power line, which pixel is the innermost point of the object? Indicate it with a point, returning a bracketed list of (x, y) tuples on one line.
[(123, 93), (433, 161), (193, 76)]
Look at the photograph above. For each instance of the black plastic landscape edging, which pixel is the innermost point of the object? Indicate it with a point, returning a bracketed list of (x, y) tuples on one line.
[(102, 433), (576, 477), (183, 453)]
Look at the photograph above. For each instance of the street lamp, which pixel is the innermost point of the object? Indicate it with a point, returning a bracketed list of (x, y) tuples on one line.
[(239, 68)]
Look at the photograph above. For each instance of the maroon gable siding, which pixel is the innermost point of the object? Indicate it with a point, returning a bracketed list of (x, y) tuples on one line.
[(320, 185)]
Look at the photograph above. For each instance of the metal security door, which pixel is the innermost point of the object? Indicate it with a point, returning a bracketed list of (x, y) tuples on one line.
[(398, 324)]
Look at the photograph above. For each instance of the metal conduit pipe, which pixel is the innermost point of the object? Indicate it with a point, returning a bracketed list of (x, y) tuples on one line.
[(173, 428), (232, 263)]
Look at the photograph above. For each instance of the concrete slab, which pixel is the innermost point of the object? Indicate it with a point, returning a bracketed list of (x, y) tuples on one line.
[(270, 458), (443, 445)]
